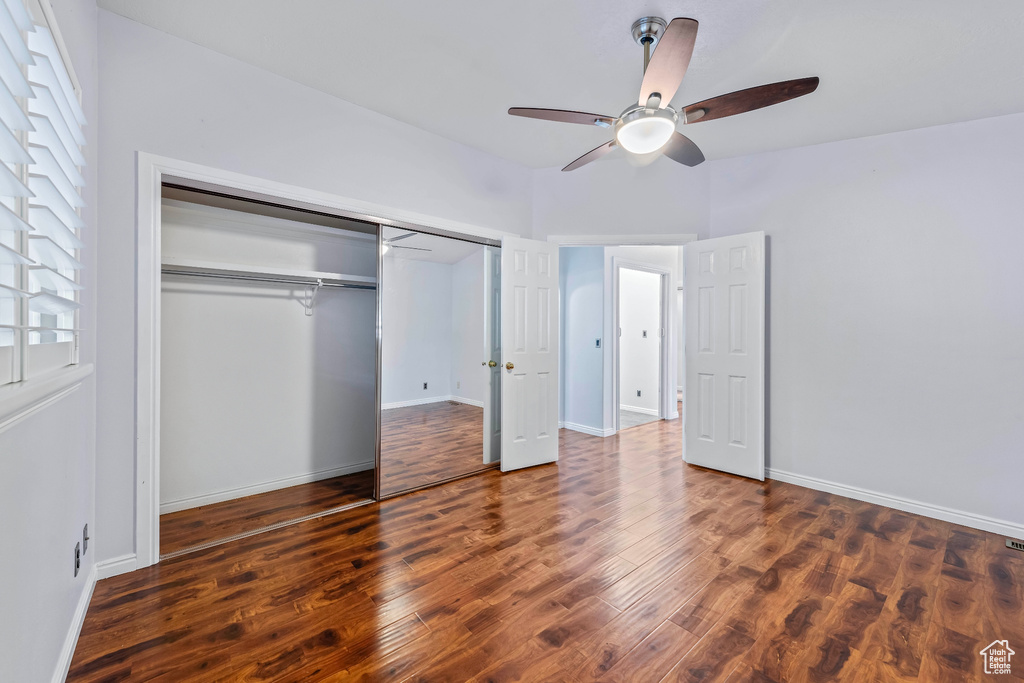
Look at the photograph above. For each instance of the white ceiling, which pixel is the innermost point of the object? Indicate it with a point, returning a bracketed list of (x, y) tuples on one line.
[(441, 249), (454, 67)]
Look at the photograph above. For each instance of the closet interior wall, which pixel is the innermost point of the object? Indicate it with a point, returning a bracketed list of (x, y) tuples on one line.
[(264, 385)]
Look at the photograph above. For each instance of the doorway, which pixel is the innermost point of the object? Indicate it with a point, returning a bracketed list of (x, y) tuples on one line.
[(641, 344)]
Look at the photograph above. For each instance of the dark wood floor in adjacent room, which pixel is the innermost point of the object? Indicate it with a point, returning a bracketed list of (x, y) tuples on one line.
[(425, 444), (620, 563), (200, 525)]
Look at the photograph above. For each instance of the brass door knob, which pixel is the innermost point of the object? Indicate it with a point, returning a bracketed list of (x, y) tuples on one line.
[(509, 366), (492, 363)]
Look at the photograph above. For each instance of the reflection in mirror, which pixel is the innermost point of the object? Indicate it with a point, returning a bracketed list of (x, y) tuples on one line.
[(438, 359)]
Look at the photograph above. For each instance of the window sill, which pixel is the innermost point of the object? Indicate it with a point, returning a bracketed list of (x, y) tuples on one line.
[(21, 399)]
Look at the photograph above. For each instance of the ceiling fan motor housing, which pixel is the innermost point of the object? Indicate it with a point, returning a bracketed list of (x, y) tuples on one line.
[(648, 30)]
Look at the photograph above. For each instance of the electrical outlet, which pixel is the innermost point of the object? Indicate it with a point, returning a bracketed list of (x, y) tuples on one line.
[(638, 393), (597, 343), (78, 557), (85, 539), (458, 385), (424, 386), (1016, 545), (645, 334)]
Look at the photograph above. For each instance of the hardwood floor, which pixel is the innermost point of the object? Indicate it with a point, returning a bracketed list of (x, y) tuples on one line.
[(196, 526), (425, 444), (620, 563)]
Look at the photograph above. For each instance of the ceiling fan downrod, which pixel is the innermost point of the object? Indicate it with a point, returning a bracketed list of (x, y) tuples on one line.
[(647, 31)]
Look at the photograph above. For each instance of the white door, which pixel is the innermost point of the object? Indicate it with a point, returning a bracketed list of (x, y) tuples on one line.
[(724, 289), (529, 351), (492, 354)]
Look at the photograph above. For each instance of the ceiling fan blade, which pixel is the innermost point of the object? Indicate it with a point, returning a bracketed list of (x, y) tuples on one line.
[(592, 155), (401, 237), (682, 149), (563, 115), (410, 248), (669, 62), (752, 98)]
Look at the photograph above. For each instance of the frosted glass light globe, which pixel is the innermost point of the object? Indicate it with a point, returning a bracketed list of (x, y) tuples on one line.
[(643, 130)]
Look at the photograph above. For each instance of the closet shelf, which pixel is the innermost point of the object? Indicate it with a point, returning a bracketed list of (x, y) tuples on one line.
[(183, 266)]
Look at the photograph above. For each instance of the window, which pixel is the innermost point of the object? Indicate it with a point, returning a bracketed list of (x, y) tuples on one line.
[(41, 141)]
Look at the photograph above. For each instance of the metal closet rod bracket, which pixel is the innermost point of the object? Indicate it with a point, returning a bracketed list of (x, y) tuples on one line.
[(310, 298)]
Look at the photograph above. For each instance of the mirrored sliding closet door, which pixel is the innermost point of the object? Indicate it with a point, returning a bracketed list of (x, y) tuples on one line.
[(440, 348)]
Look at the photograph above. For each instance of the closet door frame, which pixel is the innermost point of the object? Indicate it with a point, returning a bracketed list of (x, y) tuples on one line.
[(152, 171)]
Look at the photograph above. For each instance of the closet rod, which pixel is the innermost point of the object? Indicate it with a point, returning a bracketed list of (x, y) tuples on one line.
[(258, 278)]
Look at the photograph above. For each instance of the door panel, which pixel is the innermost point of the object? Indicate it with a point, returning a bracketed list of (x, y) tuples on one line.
[(724, 290), (529, 329)]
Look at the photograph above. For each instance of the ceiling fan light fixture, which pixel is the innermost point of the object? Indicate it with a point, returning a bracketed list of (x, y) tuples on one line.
[(642, 130)]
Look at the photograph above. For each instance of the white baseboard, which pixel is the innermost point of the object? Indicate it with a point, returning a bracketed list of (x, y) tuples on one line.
[(431, 399), (593, 431), (67, 650), (679, 388), (645, 411), (414, 402), (561, 424), (116, 565), (968, 519), (262, 487)]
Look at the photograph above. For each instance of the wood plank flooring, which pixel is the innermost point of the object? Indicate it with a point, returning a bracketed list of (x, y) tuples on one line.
[(195, 526), (620, 563), (425, 444)]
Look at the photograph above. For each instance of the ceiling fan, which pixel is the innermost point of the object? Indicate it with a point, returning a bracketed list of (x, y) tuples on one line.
[(388, 243), (650, 125)]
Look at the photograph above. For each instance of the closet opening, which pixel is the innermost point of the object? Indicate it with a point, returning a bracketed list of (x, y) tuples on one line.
[(268, 366)]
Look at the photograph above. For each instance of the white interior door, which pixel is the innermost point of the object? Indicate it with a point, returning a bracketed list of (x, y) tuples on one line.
[(529, 348), (724, 289), (492, 354)]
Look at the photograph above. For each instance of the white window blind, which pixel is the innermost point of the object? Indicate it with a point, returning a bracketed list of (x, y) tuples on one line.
[(41, 140)]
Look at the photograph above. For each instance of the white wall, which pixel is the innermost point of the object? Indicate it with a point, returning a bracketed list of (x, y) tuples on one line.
[(639, 355), (47, 461), (582, 272), (614, 197), (416, 331), (433, 331), (166, 96), (255, 394), (469, 378), (896, 320)]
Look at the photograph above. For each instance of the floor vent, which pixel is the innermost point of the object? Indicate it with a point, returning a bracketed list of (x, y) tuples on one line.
[(1016, 545)]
